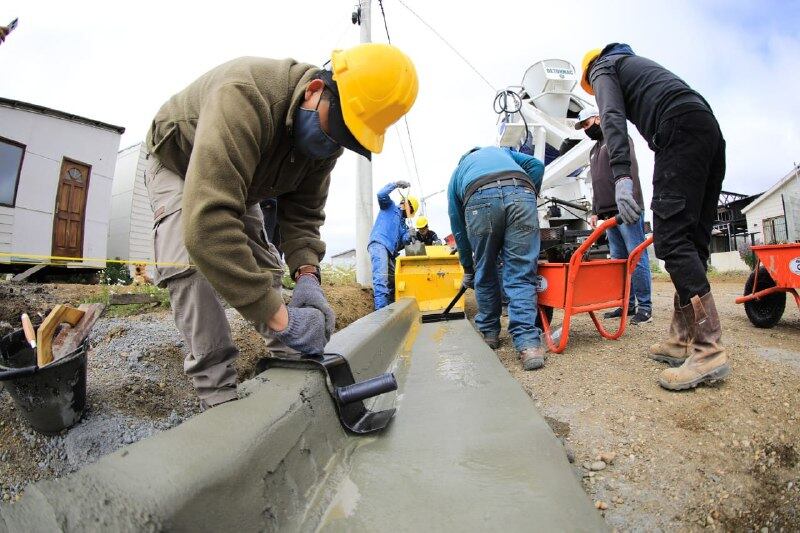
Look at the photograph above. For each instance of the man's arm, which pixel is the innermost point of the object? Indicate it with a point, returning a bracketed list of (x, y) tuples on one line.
[(301, 213), (458, 225), (613, 120), (384, 200), (233, 126), (532, 167)]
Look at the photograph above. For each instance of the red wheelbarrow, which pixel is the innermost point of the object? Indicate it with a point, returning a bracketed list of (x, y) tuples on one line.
[(586, 286), (776, 272)]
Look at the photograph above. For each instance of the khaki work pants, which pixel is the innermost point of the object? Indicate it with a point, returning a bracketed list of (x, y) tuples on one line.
[(196, 308)]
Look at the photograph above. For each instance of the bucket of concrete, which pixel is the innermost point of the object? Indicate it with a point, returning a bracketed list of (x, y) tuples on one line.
[(51, 398)]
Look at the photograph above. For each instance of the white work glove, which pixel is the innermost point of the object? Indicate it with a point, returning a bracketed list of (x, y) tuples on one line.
[(308, 293), (629, 210), (305, 331), (402, 184)]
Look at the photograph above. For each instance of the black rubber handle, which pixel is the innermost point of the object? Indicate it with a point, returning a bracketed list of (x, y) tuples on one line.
[(367, 389), (458, 295), (14, 373)]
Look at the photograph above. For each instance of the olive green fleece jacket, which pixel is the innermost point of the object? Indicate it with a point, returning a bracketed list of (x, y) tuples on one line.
[(229, 134)]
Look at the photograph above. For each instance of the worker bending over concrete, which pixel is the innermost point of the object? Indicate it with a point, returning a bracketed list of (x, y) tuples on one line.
[(424, 234), (251, 129), (389, 235), (492, 207), (622, 239), (680, 128)]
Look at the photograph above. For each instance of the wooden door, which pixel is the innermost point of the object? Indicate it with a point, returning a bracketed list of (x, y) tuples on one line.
[(73, 187)]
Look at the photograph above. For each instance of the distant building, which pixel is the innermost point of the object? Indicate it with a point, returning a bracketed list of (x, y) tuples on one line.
[(56, 172), (730, 230), (344, 259), (774, 216), (130, 234)]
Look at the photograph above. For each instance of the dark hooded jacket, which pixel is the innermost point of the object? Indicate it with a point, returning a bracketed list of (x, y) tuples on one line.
[(635, 88)]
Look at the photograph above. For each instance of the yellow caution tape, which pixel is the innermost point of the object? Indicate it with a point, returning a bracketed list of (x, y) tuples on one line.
[(94, 259)]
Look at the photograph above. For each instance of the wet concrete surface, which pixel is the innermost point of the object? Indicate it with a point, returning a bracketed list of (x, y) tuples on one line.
[(467, 451)]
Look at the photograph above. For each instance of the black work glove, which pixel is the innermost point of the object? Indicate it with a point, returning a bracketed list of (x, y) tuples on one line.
[(305, 331), (629, 210), (308, 293)]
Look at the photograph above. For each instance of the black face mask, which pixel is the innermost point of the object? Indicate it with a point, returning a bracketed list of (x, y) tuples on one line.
[(594, 132)]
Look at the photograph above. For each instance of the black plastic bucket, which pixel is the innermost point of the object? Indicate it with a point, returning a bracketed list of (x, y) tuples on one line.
[(51, 398)]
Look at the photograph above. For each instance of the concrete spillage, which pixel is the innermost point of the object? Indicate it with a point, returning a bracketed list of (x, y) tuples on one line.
[(278, 459)]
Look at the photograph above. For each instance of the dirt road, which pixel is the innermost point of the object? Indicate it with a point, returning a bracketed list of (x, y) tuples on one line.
[(724, 457)]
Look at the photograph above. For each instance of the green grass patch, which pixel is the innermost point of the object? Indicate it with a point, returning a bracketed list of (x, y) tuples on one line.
[(160, 301)]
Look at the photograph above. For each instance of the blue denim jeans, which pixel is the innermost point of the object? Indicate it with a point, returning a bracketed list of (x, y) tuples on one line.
[(621, 241), (382, 274), (503, 222)]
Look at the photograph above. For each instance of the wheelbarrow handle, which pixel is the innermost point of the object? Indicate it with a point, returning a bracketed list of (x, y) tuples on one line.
[(7, 374)]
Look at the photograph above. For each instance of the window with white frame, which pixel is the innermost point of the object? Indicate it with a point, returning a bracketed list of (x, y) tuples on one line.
[(774, 230), (11, 154)]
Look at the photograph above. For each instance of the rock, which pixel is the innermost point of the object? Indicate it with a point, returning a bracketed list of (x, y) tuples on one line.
[(597, 466), (6, 496), (570, 453), (607, 457), (599, 504), (587, 465)]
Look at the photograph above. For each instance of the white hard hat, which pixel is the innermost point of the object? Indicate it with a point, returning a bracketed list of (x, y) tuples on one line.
[(586, 113)]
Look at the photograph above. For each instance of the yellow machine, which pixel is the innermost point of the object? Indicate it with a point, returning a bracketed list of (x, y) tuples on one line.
[(432, 279)]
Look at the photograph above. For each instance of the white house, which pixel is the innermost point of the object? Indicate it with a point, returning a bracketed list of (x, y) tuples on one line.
[(346, 259), (56, 171), (131, 232), (775, 215)]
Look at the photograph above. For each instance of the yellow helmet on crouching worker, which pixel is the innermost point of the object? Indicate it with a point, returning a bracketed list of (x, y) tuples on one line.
[(377, 85), (590, 56), (421, 222)]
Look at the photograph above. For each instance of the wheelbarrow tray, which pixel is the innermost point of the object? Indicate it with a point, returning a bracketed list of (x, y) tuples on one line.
[(782, 261), (600, 282)]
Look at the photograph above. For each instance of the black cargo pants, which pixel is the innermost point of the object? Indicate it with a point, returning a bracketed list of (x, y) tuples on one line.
[(687, 179)]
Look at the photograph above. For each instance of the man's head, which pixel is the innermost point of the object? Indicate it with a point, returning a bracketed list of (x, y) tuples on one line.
[(370, 87), (589, 122), (413, 205), (422, 225), (588, 61)]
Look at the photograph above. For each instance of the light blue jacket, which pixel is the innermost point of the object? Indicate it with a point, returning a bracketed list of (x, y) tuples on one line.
[(390, 228), (474, 165)]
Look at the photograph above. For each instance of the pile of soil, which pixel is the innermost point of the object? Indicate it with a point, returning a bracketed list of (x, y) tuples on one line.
[(721, 457), (136, 385)]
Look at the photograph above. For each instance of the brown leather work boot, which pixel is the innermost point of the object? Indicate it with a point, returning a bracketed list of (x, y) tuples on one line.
[(707, 361), (675, 349), (532, 358)]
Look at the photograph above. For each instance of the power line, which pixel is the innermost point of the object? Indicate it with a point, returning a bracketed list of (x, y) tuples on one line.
[(453, 48), (383, 14), (405, 118)]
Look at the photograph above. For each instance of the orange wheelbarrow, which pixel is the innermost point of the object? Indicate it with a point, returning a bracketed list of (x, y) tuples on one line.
[(586, 286), (776, 272)]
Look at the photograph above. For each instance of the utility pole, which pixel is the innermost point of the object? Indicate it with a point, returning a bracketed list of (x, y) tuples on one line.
[(363, 177)]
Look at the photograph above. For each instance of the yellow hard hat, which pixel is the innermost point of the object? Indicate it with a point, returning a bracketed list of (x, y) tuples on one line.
[(422, 221), (413, 202), (590, 56), (377, 86)]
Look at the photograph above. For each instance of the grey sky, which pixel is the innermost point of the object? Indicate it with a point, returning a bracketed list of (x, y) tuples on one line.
[(118, 62)]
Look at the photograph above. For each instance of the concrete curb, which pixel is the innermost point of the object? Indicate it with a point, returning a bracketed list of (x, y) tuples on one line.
[(255, 464)]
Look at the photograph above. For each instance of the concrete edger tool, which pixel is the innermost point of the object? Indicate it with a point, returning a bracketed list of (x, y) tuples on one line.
[(348, 396)]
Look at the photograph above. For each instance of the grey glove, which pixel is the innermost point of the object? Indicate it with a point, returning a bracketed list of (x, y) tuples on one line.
[(468, 280), (308, 293), (629, 210), (305, 331), (402, 184)]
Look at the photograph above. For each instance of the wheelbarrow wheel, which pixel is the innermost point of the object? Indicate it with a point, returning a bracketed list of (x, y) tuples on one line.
[(767, 310)]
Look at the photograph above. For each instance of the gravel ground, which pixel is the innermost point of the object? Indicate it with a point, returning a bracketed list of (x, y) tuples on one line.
[(722, 457), (136, 385)]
